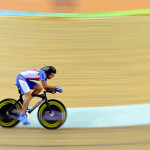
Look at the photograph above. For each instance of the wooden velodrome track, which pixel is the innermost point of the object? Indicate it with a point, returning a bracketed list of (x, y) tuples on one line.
[(100, 62)]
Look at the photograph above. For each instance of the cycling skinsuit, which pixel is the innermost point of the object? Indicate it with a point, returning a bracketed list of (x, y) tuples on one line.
[(23, 79)]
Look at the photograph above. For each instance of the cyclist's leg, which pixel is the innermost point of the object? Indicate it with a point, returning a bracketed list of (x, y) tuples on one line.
[(37, 89), (25, 89), (28, 97), (23, 116), (34, 86)]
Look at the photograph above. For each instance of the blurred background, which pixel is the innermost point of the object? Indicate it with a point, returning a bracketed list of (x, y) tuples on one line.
[(73, 6), (100, 61)]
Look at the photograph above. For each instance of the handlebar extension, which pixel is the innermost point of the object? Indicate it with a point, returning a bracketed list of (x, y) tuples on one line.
[(51, 91), (43, 95)]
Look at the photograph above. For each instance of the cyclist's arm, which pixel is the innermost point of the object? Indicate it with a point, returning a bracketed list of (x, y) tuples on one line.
[(45, 86)]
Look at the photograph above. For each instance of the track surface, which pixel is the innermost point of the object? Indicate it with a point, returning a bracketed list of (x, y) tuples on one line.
[(100, 62), (69, 139)]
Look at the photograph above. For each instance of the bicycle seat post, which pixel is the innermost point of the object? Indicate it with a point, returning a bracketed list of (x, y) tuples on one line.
[(20, 94)]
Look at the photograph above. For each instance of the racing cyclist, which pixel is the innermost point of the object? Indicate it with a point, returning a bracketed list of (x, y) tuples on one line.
[(25, 83)]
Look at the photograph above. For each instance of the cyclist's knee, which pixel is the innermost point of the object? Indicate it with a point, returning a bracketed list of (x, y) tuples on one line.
[(38, 88)]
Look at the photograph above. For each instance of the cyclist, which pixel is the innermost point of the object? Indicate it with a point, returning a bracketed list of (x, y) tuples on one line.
[(25, 84)]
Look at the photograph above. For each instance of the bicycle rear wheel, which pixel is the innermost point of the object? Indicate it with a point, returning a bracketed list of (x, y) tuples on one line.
[(9, 119), (54, 120)]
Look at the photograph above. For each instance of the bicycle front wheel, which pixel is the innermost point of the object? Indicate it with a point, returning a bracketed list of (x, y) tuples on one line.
[(56, 118), (9, 112)]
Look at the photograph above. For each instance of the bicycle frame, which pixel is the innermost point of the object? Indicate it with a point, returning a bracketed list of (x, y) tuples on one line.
[(43, 96)]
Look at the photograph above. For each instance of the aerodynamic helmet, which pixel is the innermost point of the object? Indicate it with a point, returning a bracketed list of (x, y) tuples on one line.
[(49, 69)]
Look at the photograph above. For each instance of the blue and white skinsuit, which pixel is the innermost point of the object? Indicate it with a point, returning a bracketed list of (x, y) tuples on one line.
[(24, 82)]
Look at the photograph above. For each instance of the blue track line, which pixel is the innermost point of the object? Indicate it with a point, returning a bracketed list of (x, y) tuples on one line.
[(75, 15)]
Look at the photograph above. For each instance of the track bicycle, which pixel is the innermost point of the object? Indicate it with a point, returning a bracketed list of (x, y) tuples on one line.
[(51, 113)]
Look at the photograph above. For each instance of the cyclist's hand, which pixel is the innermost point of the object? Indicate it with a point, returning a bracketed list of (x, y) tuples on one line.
[(59, 89)]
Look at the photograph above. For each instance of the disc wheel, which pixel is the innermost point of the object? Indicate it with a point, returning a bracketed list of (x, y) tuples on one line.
[(9, 119), (56, 118)]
